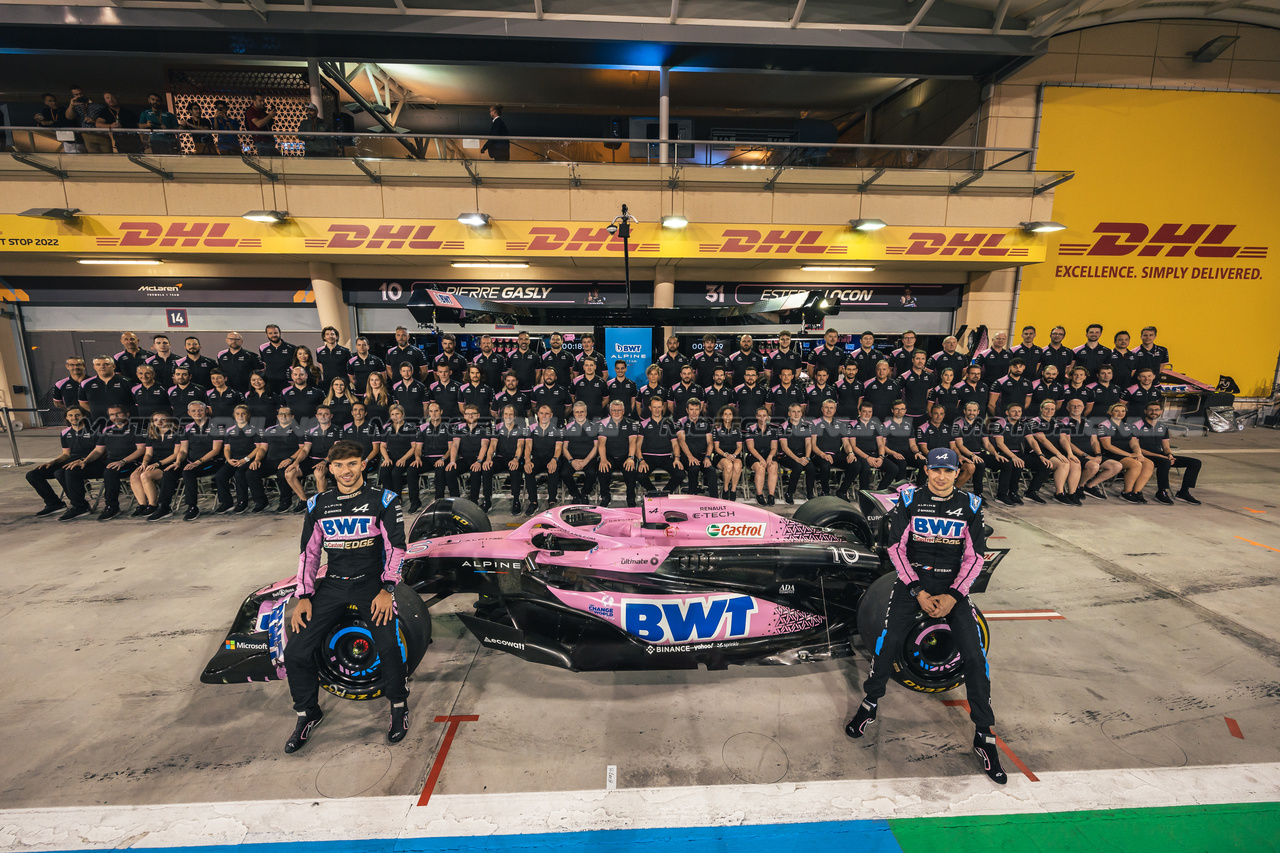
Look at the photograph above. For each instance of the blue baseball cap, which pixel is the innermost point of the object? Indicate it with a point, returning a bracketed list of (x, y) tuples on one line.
[(943, 457)]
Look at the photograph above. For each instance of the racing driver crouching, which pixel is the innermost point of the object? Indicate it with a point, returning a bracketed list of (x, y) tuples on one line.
[(361, 528), (937, 550)]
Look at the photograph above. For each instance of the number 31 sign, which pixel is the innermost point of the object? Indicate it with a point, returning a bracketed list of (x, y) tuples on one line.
[(176, 318)]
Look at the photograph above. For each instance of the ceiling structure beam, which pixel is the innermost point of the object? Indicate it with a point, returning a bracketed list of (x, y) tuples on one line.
[(1125, 7), (258, 6), (798, 14), (331, 71), (537, 9), (675, 11), (1050, 25), (1001, 11), (924, 10), (1223, 6)]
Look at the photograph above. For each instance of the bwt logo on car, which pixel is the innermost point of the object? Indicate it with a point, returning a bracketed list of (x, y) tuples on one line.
[(753, 530), (345, 526), (710, 617), (938, 527)]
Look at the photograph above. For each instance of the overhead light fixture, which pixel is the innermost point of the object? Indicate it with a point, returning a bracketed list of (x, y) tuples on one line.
[(837, 269), (1212, 49), (1042, 227), (475, 220), (131, 262), (867, 224), (818, 306), (489, 265), (271, 217), (674, 222), (62, 214)]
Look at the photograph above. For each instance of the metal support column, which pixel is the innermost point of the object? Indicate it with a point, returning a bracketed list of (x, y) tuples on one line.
[(664, 112), (313, 81)]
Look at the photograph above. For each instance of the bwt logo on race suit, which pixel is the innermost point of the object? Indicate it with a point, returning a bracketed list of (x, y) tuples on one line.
[(711, 617), (736, 531), (944, 528), (345, 527), (1173, 239)]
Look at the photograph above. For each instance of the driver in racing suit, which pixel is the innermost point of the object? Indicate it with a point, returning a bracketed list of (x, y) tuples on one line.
[(361, 529), (937, 547)]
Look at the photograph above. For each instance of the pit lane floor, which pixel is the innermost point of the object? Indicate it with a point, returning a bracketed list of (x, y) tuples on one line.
[(1167, 662)]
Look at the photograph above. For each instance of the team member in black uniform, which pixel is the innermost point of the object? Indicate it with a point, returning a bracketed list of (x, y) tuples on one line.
[(148, 395), (340, 401), (447, 393), (510, 395), (622, 388), (468, 448), (276, 356), (545, 449), (1122, 361), (66, 391), (903, 358), (434, 436), (1143, 393), (937, 549), (360, 365), (184, 391), (762, 455), (163, 360), (693, 431), (239, 455), (492, 364), (1044, 429), (404, 352), (930, 435), (1010, 436), (784, 356), (1028, 351), (590, 389), (751, 394), (476, 392), (671, 363), (1153, 440), (705, 362), (784, 395), (78, 441), (831, 451), (1119, 441), (867, 445), (819, 392), (795, 445), (121, 449), (553, 394), (401, 453), (304, 358), (654, 389), (362, 530), (895, 432), (947, 395), (617, 447), (580, 453), (726, 444), (507, 450), (718, 394), (1077, 388), (316, 444), (745, 356), (236, 363), (221, 399), (1104, 393), (848, 393), (262, 402), (560, 359), (105, 389), (916, 383), (967, 440), (1091, 355), (996, 360), (160, 457), (199, 455), (589, 353), (526, 363), (450, 357), (365, 433), (830, 354), (1013, 387), (659, 449), (1056, 354), (410, 393), (867, 357), (281, 445), (377, 399), (948, 356), (129, 359), (971, 390), (302, 398), (332, 357), (1080, 439), (882, 391), (682, 392)]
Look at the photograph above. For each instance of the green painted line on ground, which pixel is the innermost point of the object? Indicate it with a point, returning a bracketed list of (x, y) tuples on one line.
[(1254, 827)]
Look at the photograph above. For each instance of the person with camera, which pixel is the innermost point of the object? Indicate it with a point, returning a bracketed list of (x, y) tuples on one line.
[(262, 117)]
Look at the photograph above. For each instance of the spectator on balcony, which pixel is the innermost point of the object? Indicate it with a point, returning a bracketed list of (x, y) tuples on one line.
[(316, 146), (53, 115), (84, 113), (195, 120), (115, 116), (497, 146), (156, 117), (226, 143), (262, 117)]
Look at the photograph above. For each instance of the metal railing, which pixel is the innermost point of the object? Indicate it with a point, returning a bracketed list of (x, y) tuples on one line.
[(11, 428)]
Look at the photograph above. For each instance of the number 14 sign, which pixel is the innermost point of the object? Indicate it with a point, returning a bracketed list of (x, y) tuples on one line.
[(176, 318)]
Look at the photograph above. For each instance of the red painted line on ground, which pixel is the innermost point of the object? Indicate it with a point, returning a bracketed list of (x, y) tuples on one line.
[(1259, 544), (997, 537), (1234, 728), (1259, 511), (438, 764), (1004, 747)]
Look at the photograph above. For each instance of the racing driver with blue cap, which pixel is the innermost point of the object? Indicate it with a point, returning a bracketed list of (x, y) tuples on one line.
[(361, 529), (936, 544)]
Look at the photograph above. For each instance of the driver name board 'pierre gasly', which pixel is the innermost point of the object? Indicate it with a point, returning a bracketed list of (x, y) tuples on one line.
[(937, 544), (362, 533)]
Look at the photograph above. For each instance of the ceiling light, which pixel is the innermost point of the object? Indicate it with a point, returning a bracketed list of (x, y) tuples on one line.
[(837, 269), (489, 265), (64, 214), (271, 217), (1212, 49), (674, 222), (867, 224), (1042, 227), (133, 262), (475, 220)]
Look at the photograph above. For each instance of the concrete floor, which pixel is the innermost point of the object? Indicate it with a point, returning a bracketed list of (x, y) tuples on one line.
[(1169, 629)]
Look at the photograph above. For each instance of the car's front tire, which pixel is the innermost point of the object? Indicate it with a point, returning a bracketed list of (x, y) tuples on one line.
[(449, 517), (837, 515)]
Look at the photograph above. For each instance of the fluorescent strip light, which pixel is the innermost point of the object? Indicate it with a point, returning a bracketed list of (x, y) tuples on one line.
[(271, 217), (867, 224), (1042, 227), (475, 220), (133, 262), (838, 269), (487, 265), (674, 222)]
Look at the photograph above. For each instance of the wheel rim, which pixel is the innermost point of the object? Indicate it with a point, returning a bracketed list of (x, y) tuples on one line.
[(348, 656), (931, 651)]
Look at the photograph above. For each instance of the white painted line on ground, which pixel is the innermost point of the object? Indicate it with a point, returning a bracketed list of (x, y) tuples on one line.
[(1200, 450), (459, 815), (1020, 615), (611, 777)]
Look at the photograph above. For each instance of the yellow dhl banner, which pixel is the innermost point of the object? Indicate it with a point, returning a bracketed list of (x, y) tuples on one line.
[(446, 237)]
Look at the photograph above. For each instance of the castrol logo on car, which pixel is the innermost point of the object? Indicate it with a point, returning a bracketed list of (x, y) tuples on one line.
[(736, 530)]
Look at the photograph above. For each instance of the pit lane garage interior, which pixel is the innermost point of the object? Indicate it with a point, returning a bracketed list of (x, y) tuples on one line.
[(665, 653)]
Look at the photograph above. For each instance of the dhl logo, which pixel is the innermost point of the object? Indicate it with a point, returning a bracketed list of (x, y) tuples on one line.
[(354, 236), (1174, 239), (555, 239), (778, 242), (209, 235), (962, 244)]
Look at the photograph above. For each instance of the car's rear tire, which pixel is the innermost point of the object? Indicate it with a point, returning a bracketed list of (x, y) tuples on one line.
[(927, 661), (449, 517), (836, 514)]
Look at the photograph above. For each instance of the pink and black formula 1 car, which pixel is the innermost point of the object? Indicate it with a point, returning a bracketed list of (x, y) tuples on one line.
[(678, 582)]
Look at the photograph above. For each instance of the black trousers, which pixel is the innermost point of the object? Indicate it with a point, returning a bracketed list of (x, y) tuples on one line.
[(1040, 473), (269, 469), (73, 481), (698, 471), (795, 469), (616, 464), (1004, 470), (963, 622), (579, 483), (660, 462), (979, 472), (888, 469), (111, 478), (418, 475), (514, 478), (454, 478), (1190, 465), (328, 605), (553, 478), (39, 479), (841, 463), (223, 479)]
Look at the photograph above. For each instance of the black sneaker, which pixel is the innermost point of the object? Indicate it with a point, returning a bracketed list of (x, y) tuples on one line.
[(989, 755), (141, 511), (241, 509), (74, 512), (1061, 497), (282, 508), (262, 507), (1184, 495), (1075, 498), (50, 509), (486, 503), (789, 498), (160, 512), (222, 509), (866, 715), (1016, 498), (761, 499), (306, 725), (399, 723), (111, 512), (1131, 497), (1141, 497), (1006, 500), (300, 507), (192, 513), (1095, 492), (532, 508), (1034, 496), (1164, 497), (772, 500), (515, 506)]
